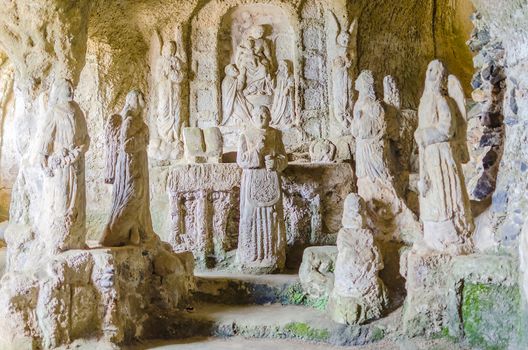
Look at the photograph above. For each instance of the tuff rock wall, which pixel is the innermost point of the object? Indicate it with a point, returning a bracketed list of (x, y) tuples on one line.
[(393, 38)]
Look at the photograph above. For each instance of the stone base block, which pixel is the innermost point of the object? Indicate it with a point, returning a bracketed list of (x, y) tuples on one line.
[(116, 294), (357, 311), (475, 297), (425, 307), (317, 270)]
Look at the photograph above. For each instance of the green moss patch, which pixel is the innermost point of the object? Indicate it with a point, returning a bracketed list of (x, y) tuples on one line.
[(304, 331), (490, 314), (377, 334), (295, 295)]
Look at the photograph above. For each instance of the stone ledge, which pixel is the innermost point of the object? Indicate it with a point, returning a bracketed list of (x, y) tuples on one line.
[(117, 294)]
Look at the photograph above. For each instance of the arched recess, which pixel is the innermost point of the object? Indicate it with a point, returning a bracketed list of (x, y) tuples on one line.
[(211, 49)]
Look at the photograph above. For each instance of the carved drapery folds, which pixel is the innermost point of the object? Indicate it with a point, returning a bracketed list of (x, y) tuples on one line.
[(444, 203), (127, 140)]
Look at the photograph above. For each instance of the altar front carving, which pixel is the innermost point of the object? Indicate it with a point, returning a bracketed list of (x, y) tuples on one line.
[(204, 212)]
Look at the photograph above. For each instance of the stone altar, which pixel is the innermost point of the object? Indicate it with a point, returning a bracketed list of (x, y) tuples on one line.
[(203, 207)]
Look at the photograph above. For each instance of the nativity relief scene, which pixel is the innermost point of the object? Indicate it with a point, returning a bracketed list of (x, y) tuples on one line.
[(263, 174)]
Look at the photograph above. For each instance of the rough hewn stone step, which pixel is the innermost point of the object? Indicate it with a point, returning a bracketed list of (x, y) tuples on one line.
[(285, 322), (239, 289)]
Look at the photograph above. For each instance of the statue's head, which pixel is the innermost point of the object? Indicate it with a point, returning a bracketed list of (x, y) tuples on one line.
[(134, 103), (256, 32), (436, 77), (284, 67), (61, 91), (365, 84), (261, 117), (343, 39), (170, 48), (231, 70), (353, 211)]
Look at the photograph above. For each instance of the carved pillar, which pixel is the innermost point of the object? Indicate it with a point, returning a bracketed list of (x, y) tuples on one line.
[(176, 222), (316, 218), (203, 232)]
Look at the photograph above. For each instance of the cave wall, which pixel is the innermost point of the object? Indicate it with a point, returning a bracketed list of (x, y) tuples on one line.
[(401, 37), (108, 48)]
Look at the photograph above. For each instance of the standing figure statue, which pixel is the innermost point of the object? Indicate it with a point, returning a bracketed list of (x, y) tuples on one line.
[(283, 107), (262, 231), (369, 128), (170, 75), (64, 142), (234, 106), (127, 137), (392, 217), (444, 203), (342, 76)]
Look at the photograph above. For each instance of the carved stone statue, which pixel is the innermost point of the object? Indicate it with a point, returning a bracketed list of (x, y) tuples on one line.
[(369, 128), (342, 90), (391, 216), (127, 140), (283, 107), (322, 151), (253, 60), (444, 204), (170, 76), (234, 105), (64, 142), (342, 80), (262, 233), (359, 295)]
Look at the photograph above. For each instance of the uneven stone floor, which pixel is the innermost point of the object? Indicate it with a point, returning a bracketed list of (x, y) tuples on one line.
[(238, 343)]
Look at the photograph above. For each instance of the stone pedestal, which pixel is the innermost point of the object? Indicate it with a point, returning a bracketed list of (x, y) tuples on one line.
[(473, 296), (115, 294), (351, 311), (425, 307)]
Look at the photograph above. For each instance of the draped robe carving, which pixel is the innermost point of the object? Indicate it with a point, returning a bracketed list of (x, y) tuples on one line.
[(130, 221), (262, 233), (64, 142), (444, 203)]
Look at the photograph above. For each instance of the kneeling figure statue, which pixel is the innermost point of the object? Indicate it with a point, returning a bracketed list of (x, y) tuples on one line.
[(359, 295)]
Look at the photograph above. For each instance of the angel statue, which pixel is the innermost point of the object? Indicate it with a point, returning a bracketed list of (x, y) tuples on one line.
[(127, 137), (342, 79), (170, 77), (444, 203), (63, 143)]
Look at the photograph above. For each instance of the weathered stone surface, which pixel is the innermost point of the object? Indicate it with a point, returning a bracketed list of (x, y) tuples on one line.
[(317, 271), (118, 294), (444, 292), (358, 294), (203, 200)]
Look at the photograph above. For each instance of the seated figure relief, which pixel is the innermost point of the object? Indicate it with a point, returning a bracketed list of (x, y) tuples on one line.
[(252, 80)]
